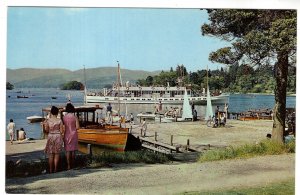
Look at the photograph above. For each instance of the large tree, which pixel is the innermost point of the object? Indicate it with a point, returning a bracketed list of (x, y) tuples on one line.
[(259, 38)]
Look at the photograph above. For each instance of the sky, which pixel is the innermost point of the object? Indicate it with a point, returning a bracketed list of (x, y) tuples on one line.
[(139, 38)]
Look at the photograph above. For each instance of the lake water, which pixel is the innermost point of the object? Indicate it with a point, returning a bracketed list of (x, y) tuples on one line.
[(20, 108)]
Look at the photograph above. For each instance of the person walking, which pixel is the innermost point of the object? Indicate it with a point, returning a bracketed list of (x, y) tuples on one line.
[(11, 130), (71, 124), (54, 127)]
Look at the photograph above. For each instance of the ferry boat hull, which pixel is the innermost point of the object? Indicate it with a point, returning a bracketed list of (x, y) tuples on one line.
[(216, 100)]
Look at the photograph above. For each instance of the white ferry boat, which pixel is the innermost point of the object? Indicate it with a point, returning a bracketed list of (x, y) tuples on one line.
[(152, 95)]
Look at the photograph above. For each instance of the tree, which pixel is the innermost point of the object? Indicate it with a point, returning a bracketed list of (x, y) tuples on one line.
[(149, 81), (72, 85), (259, 38), (9, 86)]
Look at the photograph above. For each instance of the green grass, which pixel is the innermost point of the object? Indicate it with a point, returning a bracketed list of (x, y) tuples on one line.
[(282, 188), (265, 147), (128, 157)]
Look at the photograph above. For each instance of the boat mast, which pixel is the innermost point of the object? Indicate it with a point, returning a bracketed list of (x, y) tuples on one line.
[(118, 89), (206, 75), (84, 99)]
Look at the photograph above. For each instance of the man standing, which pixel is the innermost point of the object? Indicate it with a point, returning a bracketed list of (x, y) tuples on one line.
[(109, 113), (143, 127)]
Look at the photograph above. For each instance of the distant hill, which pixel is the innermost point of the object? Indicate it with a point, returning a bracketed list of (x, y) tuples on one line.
[(96, 78)]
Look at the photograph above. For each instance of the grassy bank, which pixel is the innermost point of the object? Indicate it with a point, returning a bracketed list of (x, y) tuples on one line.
[(24, 169), (265, 147), (284, 188), (127, 157)]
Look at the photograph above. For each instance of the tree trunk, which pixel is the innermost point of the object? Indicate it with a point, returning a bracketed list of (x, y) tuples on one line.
[(281, 72)]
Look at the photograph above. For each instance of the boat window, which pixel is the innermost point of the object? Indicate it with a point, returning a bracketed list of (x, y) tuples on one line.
[(132, 99), (116, 99), (106, 98), (176, 99), (149, 99)]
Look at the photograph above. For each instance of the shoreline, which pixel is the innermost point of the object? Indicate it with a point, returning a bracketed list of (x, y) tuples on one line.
[(235, 132)]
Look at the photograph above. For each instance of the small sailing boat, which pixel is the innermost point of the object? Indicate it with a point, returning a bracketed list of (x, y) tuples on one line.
[(187, 113), (209, 111)]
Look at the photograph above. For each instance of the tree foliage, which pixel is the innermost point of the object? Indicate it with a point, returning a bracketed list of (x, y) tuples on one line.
[(9, 86), (72, 85), (258, 38)]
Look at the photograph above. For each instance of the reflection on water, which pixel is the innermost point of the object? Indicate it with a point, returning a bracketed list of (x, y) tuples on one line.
[(20, 108)]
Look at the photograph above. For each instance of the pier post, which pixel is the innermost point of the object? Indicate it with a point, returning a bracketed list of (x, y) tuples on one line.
[(155, 137), (89, 149), (171, 140), (187, 144)]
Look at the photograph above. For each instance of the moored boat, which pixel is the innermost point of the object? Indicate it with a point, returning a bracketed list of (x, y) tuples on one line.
[(22, 96), (135, 94), (103, 136), (148, 115), (35, 119), (256, 115), (152, 95)]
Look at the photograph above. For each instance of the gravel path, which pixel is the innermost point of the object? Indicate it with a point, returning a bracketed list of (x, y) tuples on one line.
[(161, 179)]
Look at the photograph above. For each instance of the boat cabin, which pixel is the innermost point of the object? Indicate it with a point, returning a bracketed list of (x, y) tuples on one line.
[(148, 92), (87, 115)]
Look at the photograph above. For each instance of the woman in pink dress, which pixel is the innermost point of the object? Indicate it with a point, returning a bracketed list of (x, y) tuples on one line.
[(54, 127), (71, 138)]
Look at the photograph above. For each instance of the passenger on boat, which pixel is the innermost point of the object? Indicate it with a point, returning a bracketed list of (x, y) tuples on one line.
[(194, 115), (109, 113), (159, 106), (131, 119), (193, 106)]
